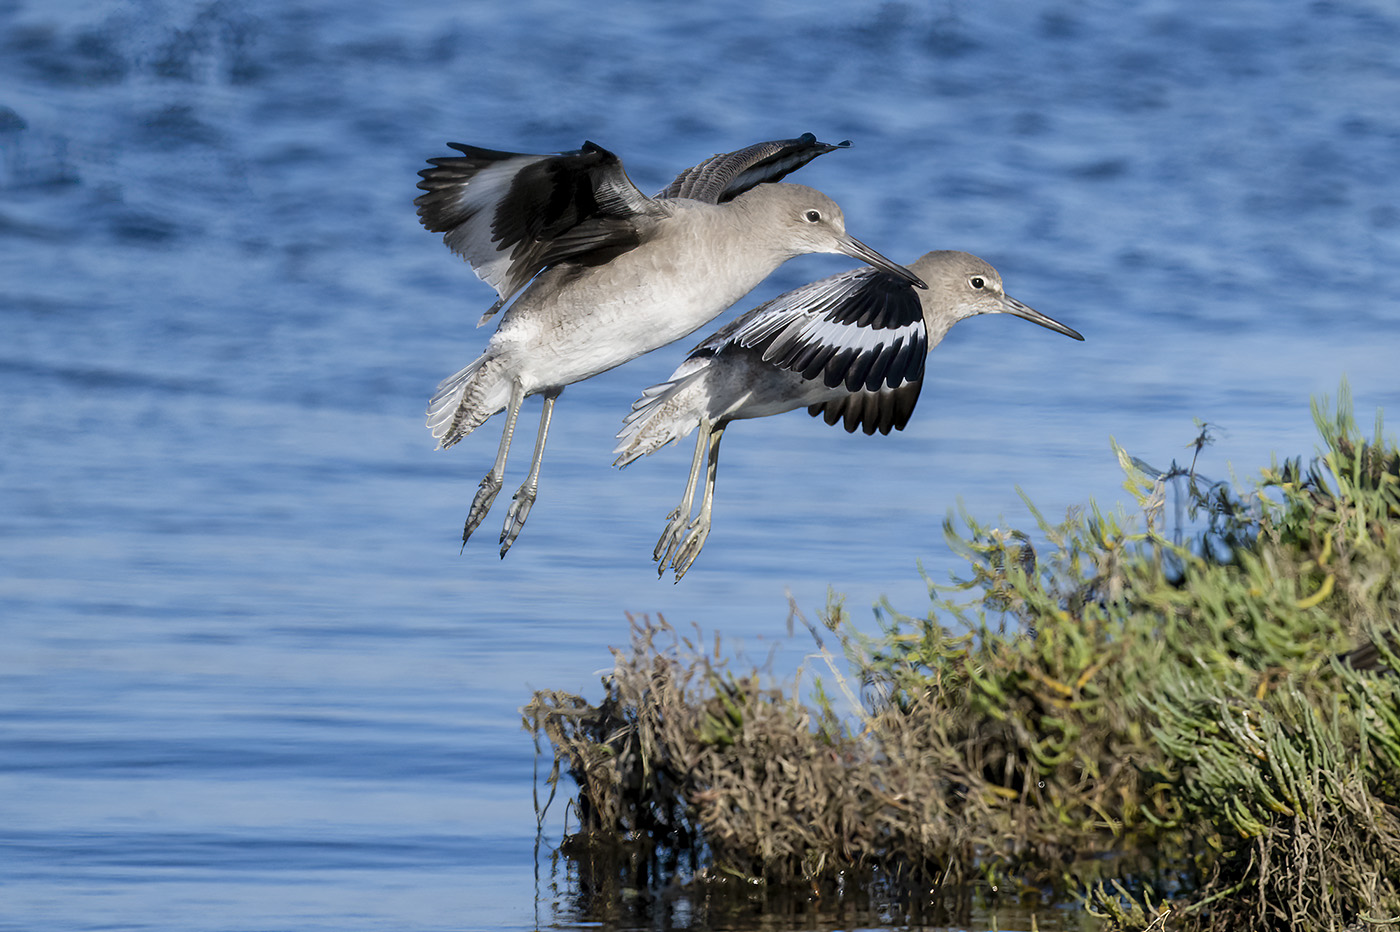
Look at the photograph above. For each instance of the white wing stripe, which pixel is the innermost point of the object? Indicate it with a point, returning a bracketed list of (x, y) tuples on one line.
[(478, 198), (797, 305)]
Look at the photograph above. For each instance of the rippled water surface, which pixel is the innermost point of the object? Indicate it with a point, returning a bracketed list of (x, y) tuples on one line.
[(247, 680)]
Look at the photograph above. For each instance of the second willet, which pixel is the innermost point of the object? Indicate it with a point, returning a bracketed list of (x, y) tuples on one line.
[(850, 347), (608, 273)]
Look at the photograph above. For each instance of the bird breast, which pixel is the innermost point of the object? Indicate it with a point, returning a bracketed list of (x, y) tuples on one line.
[(574, 322)]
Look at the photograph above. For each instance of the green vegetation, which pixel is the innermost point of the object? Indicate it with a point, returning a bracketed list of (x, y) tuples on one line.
[(1188, 735)]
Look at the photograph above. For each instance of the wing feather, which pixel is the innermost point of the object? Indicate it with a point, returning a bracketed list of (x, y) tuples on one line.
[(725, 176), (512, 215), (871, 411), (863, 328)]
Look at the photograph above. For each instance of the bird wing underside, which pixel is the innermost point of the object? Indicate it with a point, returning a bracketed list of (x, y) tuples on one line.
[(863, 329), (725, 176), (885, 410), (512, 215)]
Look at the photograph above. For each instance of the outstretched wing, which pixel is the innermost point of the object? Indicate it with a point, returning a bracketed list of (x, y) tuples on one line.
[(863, 328), (725, 176), (512, 215), (862, 331)]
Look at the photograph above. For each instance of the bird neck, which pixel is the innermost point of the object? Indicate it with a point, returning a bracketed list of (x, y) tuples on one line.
[(938, 327), (744, 236)]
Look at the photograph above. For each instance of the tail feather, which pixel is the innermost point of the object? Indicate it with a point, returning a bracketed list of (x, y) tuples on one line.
[(460, 405), (664, 414)]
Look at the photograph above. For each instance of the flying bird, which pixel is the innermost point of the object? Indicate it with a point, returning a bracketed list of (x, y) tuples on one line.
[(850, 348)]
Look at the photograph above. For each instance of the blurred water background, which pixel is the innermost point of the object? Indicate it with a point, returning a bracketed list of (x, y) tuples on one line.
[(247, 680)]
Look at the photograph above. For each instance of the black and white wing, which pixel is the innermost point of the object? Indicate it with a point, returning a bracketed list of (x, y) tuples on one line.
[(512, 215), (863, 329), (725, 176)]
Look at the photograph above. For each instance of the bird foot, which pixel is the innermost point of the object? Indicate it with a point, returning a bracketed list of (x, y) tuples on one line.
[(481, 504), (670, 539), (520, 505), (690, 547)]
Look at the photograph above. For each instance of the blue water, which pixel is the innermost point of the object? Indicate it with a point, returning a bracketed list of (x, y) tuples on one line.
[(248, 682)]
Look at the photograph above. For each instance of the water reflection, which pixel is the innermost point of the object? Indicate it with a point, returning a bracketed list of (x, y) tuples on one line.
[(587, 890)]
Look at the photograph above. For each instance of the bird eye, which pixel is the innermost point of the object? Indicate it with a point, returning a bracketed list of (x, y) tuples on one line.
[(977, 281), (813, 216)]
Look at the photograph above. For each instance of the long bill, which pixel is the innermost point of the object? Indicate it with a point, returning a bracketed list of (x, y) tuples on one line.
[(1011, 306), (857, 250)]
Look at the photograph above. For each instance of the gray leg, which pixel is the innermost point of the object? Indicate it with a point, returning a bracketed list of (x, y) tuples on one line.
[(677, 519), (486, 492), (524, 497), (700, 527)]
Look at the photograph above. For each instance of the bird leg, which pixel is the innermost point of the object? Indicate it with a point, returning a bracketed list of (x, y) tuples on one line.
[(700, 528), (491, 484), (677, 519), (524, 497)]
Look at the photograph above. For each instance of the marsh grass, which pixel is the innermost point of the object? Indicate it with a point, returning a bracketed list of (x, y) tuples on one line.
[(1188, 730)]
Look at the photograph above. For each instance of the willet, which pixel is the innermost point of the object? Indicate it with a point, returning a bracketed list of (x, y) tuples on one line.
[(850, 347), (608, 273)]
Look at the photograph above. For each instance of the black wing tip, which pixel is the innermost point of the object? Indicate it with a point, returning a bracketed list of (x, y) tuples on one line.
[(726, 175), (810, 139), (435, 179), (480, 153), (449, 171), (590, 147)]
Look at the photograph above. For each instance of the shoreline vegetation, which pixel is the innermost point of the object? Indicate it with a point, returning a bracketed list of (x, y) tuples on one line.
[(1184, 730)]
